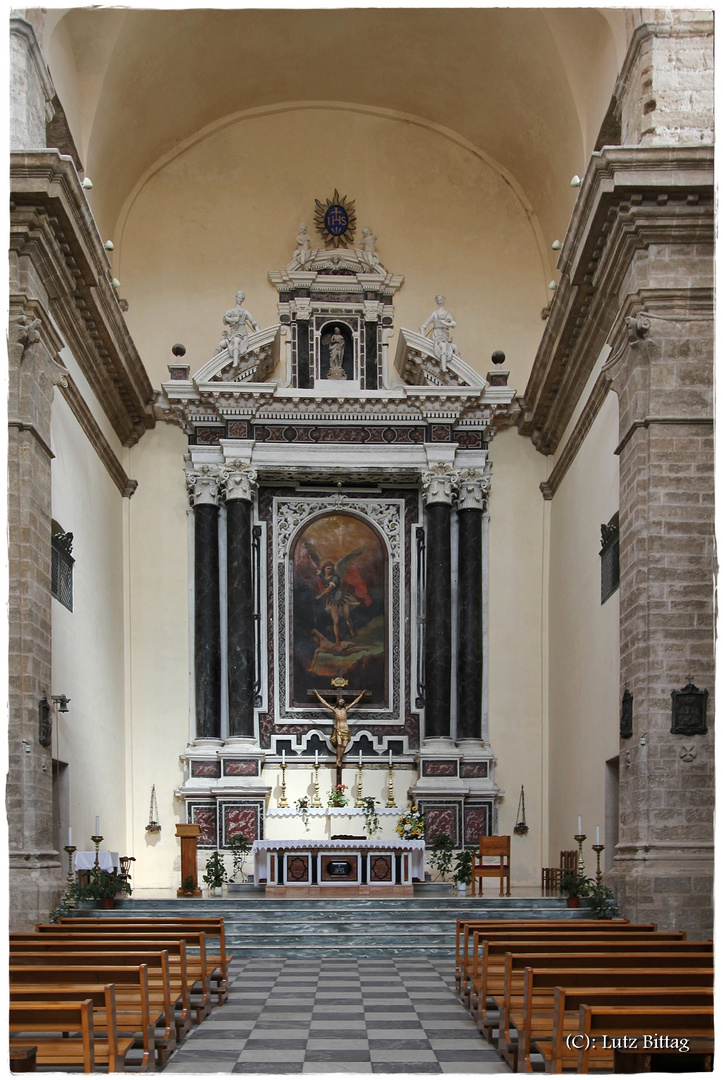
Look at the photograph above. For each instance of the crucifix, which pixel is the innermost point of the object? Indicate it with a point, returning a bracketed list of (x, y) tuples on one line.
[(341, 734)]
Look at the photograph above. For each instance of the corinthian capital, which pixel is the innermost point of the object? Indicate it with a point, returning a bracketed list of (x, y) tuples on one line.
[(203, 485), (440, 484), (239, 480), (474, 489)]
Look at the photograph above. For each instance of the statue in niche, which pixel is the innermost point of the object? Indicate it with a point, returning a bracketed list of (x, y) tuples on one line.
[(441, 322), (336, 355), (369, 255), (341, 734), (235, 337), (303, 247)]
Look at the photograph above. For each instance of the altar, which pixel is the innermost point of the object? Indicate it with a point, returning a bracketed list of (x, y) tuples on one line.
[(341, 867)]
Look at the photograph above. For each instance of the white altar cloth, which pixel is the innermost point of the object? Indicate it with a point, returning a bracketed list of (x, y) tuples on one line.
[(261, 848), (107, 860)]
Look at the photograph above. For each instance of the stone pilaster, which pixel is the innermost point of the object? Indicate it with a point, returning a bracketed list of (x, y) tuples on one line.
[(203, 485), (440, 485), (31, 89), (240, 486), (473, 492)]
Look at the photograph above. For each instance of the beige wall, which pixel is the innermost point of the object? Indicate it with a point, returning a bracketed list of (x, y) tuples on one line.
[(583, 636)]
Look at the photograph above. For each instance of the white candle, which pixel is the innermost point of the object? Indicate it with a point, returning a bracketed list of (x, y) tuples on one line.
[(97, 826), (316, 757), (283, 757), (390, 756), (360, 759), (70, 837), (579, 826), (597, 835)]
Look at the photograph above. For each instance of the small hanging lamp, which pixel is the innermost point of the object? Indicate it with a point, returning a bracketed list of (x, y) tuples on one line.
[(521, 826), (154, 824)]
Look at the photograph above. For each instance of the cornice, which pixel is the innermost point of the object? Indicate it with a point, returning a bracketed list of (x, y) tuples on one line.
[(631, 198), (51, 224), (97, 439)]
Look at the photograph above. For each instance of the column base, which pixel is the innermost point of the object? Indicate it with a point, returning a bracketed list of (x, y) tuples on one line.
[(671, 888)]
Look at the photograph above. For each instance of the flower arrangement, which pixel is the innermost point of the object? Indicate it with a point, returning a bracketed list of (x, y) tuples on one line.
[(215, 873), (337, 796), (371, 817), (411, 824), (302, 806)]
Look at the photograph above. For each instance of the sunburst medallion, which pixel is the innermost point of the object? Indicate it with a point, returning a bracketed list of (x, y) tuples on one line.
[(336, 220)]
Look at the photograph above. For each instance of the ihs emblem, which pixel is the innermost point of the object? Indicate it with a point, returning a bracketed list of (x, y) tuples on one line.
[(336, 220)]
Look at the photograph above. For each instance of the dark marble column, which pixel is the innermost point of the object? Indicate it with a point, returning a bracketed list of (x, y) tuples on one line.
[(474, 486), (240, 487), (203, 485), (439, 487)]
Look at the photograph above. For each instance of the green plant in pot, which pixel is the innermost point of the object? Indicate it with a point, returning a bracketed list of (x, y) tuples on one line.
[(573, 885), (602, 901), (105, 885), (441, 850), (462, 870), (240, 847), (215, 873)]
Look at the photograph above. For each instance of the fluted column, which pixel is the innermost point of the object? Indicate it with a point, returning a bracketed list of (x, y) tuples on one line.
[(440, 485), (473, 490), (240, 487), (203, 486)]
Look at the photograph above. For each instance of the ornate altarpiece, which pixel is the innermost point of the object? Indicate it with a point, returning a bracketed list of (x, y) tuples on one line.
[(307, 447)]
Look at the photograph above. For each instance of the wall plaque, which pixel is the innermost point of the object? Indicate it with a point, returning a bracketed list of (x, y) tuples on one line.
[(689, 711)]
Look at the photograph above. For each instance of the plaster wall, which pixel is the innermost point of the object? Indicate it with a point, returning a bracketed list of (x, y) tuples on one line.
[(225, 210), (516, 713), (88, 651), (584, 665)]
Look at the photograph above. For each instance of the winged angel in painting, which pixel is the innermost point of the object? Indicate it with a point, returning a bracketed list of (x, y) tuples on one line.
[(341, 587)]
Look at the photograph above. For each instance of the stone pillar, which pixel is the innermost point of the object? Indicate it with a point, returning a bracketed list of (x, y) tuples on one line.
[(440, 485), (31, 89), (203, 485), (240, 485), (473, 491)]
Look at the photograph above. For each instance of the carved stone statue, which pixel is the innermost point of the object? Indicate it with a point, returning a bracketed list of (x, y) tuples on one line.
[(441, 322), (341, 734), (303, 247), (336, 355), (236, 336), (369, 255)]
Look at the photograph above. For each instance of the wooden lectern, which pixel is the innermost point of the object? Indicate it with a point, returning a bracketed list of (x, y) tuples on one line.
[(189, 840)]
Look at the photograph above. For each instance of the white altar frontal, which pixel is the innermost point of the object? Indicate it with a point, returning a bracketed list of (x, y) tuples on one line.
[(352, 866)]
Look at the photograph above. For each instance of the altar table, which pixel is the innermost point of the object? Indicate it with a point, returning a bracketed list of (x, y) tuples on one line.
[(107, 860), (338, 867)]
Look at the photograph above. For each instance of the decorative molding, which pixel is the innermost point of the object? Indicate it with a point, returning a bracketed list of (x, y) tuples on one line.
[(440, 484), (579, 433), (238, 480), (204, 485), (649, 421), (474, 489), (96, 438)]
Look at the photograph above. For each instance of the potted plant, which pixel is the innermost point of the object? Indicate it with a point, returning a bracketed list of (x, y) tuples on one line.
[(602, 901), (440, 855), (573, 884), (462, 870), (106, 885), (371, 817), (240, 847), (215, 873), (337, 796), (302, 806), (189, 887)]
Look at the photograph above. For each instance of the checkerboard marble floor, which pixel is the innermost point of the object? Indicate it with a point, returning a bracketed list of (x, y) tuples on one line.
[(338, 1016)]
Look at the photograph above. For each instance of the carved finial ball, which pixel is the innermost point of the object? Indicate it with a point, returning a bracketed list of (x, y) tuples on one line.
[(179, 350), (498, 357)]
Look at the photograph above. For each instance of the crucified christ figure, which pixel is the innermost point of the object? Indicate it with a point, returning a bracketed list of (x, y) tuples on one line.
[(341, 734)]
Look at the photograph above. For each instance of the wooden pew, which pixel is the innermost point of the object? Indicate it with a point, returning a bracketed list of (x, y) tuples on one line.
[(108, 1048), (164, 990), (566, 1003), (47, 1026), (196, 963), (134, 1012), (508, 990), (631, 1031), (213, 927)]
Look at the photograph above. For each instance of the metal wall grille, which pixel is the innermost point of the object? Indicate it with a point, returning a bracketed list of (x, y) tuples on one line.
[(61, 583), (609, 560)]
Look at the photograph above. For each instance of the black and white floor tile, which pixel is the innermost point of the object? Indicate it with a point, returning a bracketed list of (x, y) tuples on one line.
[(338, 1016)]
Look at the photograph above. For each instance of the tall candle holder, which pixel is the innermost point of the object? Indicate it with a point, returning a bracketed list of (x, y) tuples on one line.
[(598, 849), (580, 837), (97, 840), (359, 800), (390, 797), (282, 800), (316, 801), (69, 897)]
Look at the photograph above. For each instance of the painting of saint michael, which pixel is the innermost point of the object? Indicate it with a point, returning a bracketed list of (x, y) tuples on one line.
[(339, 566)]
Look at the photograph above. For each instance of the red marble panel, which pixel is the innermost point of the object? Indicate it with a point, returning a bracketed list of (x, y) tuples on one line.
[(476, 823), (206, 768), (240, 819), (381, 868), (473, 770), (297, 868), (441, 819), (240, 768), (439, 768), (206, 819)]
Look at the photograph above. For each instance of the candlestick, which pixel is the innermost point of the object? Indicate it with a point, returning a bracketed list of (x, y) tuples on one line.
[(390, 797), (316, 801), (580, 862), (282, 800), (359, 800), (598, 849), (97, 841), (69, 897)]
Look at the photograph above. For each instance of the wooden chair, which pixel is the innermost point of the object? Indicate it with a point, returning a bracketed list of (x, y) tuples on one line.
[(552, 875), (492, 847)]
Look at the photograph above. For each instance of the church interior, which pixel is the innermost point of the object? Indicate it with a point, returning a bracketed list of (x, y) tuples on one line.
[(360, 446)]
